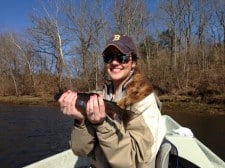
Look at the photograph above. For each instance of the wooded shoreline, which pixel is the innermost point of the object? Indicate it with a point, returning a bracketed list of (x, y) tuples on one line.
[(170, 103), (180, 47)]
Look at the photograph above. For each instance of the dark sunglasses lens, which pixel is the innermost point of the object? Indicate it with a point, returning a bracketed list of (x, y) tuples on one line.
[(108, 58), (123, 58), (119, 57)]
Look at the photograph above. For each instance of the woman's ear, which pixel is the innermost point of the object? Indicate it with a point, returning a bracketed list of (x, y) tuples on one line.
[(134, 64)]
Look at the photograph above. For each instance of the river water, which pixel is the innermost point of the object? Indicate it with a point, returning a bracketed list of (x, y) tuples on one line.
[(31, 133)]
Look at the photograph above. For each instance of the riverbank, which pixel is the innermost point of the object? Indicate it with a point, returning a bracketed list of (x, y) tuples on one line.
[(27, 100), (193, 107), (214, 105), (171, 103)]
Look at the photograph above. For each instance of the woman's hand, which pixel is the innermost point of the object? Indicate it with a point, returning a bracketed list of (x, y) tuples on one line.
[(96, 109), (67, 106)]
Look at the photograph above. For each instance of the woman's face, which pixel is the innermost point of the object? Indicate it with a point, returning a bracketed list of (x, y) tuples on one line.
[(117, 71)]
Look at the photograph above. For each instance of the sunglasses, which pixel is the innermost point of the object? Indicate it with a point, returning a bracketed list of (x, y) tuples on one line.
[(121, 58)]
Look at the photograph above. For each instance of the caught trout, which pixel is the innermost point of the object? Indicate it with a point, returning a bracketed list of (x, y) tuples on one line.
[(110, 107)]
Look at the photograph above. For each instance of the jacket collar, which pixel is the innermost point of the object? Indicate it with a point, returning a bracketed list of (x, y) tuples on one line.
[(109, 89)]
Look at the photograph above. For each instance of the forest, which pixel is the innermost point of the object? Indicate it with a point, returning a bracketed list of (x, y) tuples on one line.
[(181, 46)]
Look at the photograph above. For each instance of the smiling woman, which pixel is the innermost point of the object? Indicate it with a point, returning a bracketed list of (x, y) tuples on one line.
[(96, 132)]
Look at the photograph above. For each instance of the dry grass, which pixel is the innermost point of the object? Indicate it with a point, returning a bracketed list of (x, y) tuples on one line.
[(193, 107), (211, 105), (27, 100)]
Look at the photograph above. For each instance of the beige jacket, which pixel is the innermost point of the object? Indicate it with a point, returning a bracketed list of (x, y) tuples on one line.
[(113, 145), (118, 145)]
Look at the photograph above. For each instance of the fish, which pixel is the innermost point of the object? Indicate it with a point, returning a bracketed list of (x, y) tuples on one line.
[(110, 106)]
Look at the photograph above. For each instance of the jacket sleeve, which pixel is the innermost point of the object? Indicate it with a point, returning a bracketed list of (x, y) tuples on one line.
[(126, 146), (82, 139), (152, 117)]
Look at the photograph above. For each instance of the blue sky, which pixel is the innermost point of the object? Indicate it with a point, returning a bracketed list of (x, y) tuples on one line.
[(14, 14)]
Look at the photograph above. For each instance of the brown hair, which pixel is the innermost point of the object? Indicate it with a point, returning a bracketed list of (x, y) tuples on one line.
[(136, 90)]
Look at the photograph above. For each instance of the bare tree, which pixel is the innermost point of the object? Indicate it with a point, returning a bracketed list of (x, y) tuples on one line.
[(172, 12), (26, 55), (8, 58), (181, 49), (47, 37), (219, 6), (185, 27), (188, 24), (202, 19), (85, 23), (132, 18)]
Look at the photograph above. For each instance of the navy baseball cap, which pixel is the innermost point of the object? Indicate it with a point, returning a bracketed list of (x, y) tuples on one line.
[(124, 43)]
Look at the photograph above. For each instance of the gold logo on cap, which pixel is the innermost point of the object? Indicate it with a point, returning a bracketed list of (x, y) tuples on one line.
[(116, 37)]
